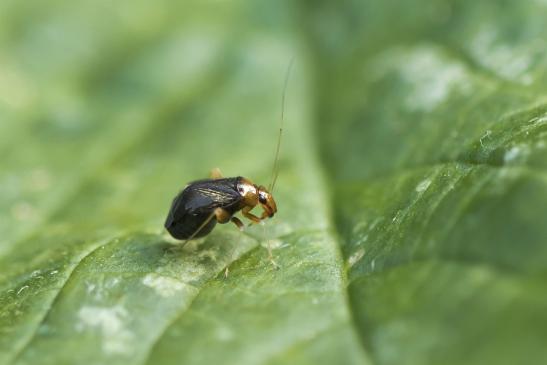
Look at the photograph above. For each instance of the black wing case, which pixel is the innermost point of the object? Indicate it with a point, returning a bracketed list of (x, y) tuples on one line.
[(202, 196)]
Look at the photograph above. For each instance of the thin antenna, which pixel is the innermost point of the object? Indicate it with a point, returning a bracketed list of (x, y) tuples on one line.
[(275, 170)]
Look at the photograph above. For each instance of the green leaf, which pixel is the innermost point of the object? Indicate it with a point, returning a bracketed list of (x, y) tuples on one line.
[(412, 187), (438, 158)]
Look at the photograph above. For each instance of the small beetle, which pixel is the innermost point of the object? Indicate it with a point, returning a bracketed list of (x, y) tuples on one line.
[(203, 203), (196, 210)]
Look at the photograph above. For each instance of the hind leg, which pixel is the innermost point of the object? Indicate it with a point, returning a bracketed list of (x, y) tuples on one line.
[(241, 226), (223, 216), (215, 173)]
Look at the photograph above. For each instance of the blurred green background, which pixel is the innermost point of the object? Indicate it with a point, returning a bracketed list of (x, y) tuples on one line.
[(412, 190)]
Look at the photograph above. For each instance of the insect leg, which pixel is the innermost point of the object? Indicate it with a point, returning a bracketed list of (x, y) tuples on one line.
[(241, 226), (222, 215), (238, 223), (215, 173), (266, 213), (246, 213)]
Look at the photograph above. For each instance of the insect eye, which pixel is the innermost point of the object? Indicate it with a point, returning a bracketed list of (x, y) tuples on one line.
[(262, 199)]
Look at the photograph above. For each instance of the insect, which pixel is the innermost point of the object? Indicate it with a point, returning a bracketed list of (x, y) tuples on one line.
[(202, 204)]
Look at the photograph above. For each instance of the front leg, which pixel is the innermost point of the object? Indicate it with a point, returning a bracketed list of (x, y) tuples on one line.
[(246, 213), (266, 213)]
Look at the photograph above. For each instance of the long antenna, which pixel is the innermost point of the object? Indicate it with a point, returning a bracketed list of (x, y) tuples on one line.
[(275, 171)]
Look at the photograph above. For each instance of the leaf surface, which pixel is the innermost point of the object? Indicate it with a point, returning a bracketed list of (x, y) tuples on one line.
[(412, 186)]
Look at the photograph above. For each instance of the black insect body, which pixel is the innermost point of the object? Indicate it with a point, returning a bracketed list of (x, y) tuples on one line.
[(202, 204)]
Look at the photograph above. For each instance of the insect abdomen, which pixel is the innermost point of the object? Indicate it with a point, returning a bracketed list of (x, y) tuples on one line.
[(196, 204), (189, 224)]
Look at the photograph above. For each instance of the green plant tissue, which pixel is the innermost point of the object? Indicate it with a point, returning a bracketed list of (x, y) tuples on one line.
[(412, 187)]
